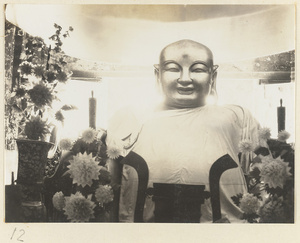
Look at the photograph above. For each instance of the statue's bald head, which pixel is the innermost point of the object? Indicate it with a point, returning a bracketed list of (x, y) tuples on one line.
[(186, 74), (183, 48)]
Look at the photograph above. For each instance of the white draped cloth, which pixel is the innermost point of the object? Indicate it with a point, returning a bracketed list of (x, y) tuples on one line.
[(180, 147)]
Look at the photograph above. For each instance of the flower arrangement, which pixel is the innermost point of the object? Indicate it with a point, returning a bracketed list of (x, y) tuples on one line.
[(84, 169), (270, 197), (42, 71), (91, 195), (78, 208)]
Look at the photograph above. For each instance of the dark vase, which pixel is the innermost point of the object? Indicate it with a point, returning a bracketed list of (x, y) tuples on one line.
[(31, 171), (32, 161)]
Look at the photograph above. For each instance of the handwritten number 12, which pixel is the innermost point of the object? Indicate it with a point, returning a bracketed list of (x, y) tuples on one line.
[(22, 232)]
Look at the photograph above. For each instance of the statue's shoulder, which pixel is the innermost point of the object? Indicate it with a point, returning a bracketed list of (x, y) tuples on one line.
[(244, 115), (238, 110), (123, 122), (240, 113)]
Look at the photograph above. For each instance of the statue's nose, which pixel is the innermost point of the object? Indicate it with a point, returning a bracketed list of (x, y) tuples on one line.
[(185, 77)]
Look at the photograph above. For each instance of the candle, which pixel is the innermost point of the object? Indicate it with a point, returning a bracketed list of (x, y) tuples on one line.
[(92, 111), (281, 117), (12, 178)]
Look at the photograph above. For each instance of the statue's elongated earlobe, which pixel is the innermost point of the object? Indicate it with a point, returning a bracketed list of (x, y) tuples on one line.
[(156, 72)]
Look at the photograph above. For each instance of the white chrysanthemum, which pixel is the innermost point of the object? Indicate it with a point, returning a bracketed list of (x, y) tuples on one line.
[(273, 211), (65, 144), (78, 208), (249, 204), (89, 135), (26, 68), (114, 150), (274, 173), (283, 136), (104, 194), (84, 169), (246, 146), (264, 133), (266, 159), (59, 201)]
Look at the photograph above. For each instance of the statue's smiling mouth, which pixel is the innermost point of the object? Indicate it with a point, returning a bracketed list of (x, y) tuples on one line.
[(185, 90)]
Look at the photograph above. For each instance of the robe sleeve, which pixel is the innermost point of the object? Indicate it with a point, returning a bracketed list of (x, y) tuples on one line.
[(123, 129)]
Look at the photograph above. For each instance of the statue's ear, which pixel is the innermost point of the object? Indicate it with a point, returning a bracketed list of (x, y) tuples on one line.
[(214, 75), (214, 83), (215, 67), (156, 71)]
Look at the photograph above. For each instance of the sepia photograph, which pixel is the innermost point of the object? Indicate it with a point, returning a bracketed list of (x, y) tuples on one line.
[(177, 114)]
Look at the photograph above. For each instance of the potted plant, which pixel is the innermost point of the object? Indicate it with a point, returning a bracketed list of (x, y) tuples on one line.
[(42, 72)]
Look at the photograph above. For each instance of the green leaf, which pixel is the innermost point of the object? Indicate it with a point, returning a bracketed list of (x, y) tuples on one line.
[(236, 199), (262, 150), (15, 107), (68, 107), (66, 173), (255, 173)]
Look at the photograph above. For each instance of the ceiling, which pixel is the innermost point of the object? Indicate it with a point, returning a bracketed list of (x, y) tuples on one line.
[(169, 13), (135, 34)]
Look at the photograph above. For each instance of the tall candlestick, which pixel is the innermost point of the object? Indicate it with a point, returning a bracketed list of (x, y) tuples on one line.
[(281, 117), (12, 178), (92, 111)]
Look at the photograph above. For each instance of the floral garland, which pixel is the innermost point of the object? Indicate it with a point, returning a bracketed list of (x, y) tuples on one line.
[(92, 194), (270, 197)]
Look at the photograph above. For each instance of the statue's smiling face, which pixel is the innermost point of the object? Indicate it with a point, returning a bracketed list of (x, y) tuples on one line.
[(185, 74)]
